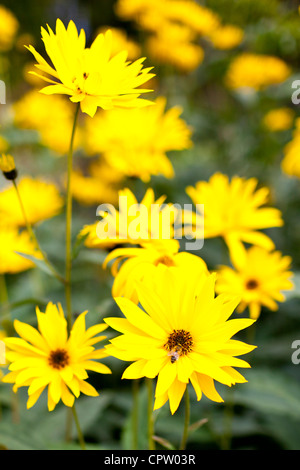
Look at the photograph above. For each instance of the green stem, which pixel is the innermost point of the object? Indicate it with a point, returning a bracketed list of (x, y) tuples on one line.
[(135, 413), (69, 222), (228, 417), (79, 432), (33, 237), (151, 444), (186, 421)]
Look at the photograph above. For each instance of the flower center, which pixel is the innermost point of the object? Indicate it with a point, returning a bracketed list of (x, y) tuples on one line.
[(166, 260), (251, 284), (180, 343), (58, 359)]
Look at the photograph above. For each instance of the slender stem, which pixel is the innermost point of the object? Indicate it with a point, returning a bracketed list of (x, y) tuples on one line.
[(69, 222), (32, 235), (228, 417), (186, 421), (135, 413), (151, 443), (79, 432)]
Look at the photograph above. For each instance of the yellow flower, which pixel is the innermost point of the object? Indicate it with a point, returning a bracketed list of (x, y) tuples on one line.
[(89, 190), (11, 242), (2, 351), (174, 44), (9, 26), (90, 76), (141, 261), (183, 335), (8, 167), (51, 116), (226, 37), (47, 358), (256, 71), (291, 162), (135, 142), (147, 221), (232, 210), (40, 199), (258, 278), (279, 119), (121, 42)]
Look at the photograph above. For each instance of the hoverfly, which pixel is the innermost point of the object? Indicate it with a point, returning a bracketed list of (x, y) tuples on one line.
[(175, 354)]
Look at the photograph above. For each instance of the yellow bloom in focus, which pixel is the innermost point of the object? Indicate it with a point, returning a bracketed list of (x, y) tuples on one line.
[(142, 261), (232, 210), (90, 76), (226, 37), (51, 116), (291, 162), (11, 242), (148, 221), (256, 71), (135, 142), (121, 42), (183, 335), (9, 26), (279, 119), (47, 358), (41, 201), (258, 277)]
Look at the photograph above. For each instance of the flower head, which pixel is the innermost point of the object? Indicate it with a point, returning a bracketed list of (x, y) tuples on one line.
[(140, 262), (41, 200), (291, 162), (47, 358), (90, 76), (259, 278), (135, 142), (279, 119), (232, 210), (9, 26), (13, 242), (183, 335), (8, 167)]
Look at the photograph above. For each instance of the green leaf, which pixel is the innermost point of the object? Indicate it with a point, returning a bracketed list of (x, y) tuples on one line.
[(79, 243), (16, 436), (42, 265)]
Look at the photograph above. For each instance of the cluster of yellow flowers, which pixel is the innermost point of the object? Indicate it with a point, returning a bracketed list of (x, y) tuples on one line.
[(174, 28), (176, 325)]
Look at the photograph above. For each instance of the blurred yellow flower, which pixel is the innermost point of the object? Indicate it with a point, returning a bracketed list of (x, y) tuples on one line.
[(9, 26), (256, 71), (140, 262), (279, 119), (226, 37), (89, 190), (4, 145), (50, 116), (183, 335), (290, 164), (41, 201), (232, 210), (151, 220), (258, 278), (12, 241), (135, 141), (2, 351), (90, 76), (47, 358)]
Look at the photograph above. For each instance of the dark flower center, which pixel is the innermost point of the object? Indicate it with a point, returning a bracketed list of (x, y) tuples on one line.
[(58, 359), (166, 260), (251, 284), (180, 343)]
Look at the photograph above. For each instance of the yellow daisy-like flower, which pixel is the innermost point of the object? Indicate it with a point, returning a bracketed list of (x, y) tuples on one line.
[(279, 119), (226, 37), (136, 141), (232, 210), (259, 277), (140, 262), (11, 242), (256, 71), (41, 200), (150, 221), (121, 42), (47, 358), (90, 76), (8, 167), (183, 335)]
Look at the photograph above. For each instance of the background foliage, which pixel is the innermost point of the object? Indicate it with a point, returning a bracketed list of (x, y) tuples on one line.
[(228, 136)]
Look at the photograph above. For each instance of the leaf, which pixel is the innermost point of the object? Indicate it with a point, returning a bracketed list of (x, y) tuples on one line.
[(79, 243), (163, 442), (42, 265), (15, 436)]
